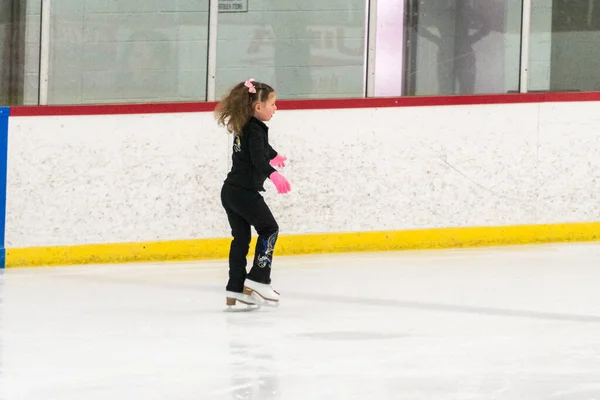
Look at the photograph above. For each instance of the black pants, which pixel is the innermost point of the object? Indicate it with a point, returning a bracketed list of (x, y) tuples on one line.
[(246, 208)]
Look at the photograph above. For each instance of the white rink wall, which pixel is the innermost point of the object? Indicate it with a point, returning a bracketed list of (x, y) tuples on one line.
[(135, 178)]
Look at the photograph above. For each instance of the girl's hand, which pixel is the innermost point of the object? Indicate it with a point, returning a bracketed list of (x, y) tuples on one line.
[(278, 161), (282, 185)]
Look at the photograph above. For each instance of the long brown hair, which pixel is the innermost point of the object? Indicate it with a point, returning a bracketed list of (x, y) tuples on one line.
[(236, 108)]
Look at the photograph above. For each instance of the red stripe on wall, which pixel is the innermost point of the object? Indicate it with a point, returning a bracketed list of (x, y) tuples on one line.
[(382, 102), (379, 102), (109, 109)]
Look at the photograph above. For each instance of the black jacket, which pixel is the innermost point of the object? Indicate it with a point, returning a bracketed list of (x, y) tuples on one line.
[(251, 156)]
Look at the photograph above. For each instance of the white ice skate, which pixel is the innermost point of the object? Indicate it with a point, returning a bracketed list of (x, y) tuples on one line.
[(262, 293), (244, 298)]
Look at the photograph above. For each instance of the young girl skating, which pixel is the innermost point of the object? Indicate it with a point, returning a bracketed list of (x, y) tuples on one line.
[(244, 112)]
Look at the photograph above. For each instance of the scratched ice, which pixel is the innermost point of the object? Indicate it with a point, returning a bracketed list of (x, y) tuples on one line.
[(500, 323)]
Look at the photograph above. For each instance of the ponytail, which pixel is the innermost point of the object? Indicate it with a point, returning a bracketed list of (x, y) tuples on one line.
[(237, 107)]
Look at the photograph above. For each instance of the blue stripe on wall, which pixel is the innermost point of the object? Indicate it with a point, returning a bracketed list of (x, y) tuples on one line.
[(4, 114)]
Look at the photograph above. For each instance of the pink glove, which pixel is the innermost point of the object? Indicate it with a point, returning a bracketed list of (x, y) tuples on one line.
[(278, 161), (282, 185)]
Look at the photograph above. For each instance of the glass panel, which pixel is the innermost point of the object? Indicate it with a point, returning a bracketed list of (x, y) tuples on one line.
[(565, 45), (128, 51), (19, 51), (304, 49), (540, 46), (462, 46)]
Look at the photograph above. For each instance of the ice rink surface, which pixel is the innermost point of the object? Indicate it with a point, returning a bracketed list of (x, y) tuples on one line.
[(494, 323)]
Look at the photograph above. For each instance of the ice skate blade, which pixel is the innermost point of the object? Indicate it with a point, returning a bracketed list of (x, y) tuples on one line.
[(248, 308), (235, 302)]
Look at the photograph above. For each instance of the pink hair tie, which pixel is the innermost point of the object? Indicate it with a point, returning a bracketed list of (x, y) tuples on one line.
[(250, 86)]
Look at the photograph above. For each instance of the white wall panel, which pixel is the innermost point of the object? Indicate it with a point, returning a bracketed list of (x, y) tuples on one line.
[(115, 178)]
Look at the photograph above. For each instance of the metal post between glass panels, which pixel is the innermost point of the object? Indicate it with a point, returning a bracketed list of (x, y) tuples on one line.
[(370, 42), (211, 74), (44, 52), (525, 34)]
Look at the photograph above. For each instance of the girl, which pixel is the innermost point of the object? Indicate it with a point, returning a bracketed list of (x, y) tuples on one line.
[(244, 112)]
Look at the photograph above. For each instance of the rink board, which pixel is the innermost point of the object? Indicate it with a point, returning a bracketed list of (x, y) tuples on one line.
[(306, 244), (113, 184)]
